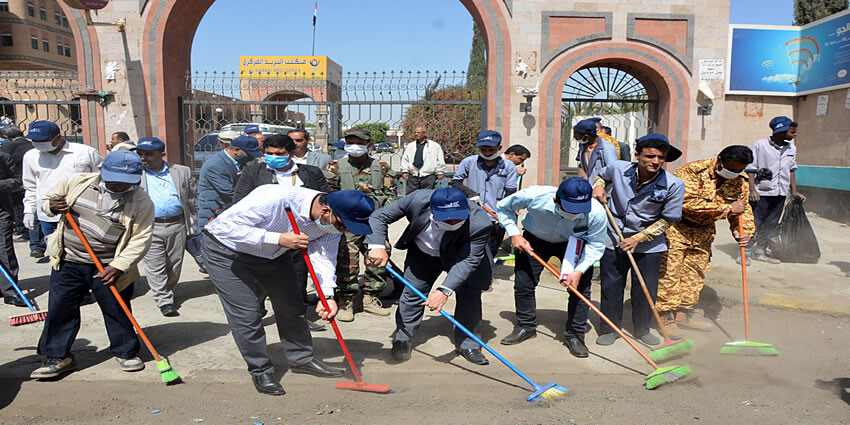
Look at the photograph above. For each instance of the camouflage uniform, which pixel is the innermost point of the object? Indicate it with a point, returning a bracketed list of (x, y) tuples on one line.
[(688, 257), (351, 245)]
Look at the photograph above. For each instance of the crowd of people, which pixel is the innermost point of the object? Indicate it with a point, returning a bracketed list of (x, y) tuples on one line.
[(134, 206)]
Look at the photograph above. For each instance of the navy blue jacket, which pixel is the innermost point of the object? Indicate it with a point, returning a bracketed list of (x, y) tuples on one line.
[(215, 186)]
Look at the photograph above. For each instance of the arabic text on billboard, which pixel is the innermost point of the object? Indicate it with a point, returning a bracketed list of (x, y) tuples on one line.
[(259, 67), (789, 61)]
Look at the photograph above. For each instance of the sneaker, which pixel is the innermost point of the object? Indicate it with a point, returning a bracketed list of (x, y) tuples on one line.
[(648, 339), (133, 364), (372, 304), (53, 367), (346, 308), (685, 319), (607, 339), (765, 259), (37, 254), (749, 261)]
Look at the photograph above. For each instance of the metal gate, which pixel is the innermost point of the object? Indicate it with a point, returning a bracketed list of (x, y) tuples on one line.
[(29, 96), (624, 99), (390, 104)]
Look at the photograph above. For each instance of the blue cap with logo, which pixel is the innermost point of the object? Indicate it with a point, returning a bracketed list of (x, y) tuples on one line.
[(673, 154), (781, 124), (150, 144), (252, 129), (339, 144), (587, 126), (121, 167), (247, 144), (42, 131), (448, 203), (574, 195), (353, 207), (489, 138)]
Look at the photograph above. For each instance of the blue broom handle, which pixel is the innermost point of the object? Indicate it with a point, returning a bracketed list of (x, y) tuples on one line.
[(461, 327), (18, 290)]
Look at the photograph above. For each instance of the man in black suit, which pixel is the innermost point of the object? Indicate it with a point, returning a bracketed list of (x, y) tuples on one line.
[(9, 182), (17, 146), (279, 168), (448, 234)]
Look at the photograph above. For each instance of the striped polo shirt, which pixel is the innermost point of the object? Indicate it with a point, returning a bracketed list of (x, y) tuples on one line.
[(98, 213)]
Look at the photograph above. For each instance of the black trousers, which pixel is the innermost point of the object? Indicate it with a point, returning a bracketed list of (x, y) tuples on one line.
[(766, 211), (18, 206), (526, 277), (416, 182), (7, 254), (497, 235), (614, 267), (68, 286)]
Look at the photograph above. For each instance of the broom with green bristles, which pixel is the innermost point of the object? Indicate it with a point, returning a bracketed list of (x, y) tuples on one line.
[(168, 374), (659, 376), (670, 349), (747, 347)]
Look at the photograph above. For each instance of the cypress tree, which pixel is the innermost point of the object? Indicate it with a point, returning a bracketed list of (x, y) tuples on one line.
[(476, 73)]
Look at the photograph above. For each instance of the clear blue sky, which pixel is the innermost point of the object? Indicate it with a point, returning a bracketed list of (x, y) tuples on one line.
[(371, 35)]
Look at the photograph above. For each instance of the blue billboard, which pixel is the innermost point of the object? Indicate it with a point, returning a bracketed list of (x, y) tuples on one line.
[(789, 61)]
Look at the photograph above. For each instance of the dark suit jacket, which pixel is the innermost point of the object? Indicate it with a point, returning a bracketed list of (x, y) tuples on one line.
[(465, 253), (16, 149), (215, 186), (258, 174), (187, 191), (9, 182)]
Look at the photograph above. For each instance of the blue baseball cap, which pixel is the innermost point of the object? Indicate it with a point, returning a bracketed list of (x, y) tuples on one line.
[(42, 131), (781, 124), (339, 144), (150, 144), (252, 129), (448, 203), (247, 144), (353, 207), (587, 126), (574, 195), (489, 138), (672, 154), (121, 167)]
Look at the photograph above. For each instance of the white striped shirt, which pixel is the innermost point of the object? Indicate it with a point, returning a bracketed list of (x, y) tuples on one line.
[(254, 225)]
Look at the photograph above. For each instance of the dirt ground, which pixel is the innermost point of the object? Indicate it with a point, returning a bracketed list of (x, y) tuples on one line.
[(807, 384)]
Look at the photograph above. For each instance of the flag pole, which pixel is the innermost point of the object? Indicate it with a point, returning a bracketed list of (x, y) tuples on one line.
[(315, 9)]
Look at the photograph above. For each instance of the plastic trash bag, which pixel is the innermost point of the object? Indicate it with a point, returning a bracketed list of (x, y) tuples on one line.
[(795, 242)]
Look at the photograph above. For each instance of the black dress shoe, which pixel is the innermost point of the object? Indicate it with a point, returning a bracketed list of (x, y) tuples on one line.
[(473, 355), (315, 326), (577, 347), (401, 350), (15, 301), (267, 384), (316, 368), (168, 310), (518, 335)]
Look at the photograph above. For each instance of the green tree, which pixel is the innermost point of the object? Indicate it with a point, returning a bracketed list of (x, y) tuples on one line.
[(378, 130), (476, 73), (807, 11)]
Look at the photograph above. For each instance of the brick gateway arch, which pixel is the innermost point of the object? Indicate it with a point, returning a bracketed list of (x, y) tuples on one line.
[(551, 39)]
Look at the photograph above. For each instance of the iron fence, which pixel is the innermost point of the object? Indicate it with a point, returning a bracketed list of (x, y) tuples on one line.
[(28, 96)]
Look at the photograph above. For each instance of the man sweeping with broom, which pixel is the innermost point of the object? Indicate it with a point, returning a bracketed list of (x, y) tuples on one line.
[(118, 220)]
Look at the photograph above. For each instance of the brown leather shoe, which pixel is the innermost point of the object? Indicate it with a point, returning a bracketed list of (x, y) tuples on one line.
[(685, 319), (669, 320)]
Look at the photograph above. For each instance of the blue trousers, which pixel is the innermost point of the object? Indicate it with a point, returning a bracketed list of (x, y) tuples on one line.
[(68, 286)]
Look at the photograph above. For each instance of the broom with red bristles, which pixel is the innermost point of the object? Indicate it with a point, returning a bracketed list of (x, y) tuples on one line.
[(23, 319)]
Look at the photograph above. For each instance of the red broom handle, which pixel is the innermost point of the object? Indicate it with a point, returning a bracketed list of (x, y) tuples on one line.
[(552, 269), (744, 278), (322, 298), (111, 286)]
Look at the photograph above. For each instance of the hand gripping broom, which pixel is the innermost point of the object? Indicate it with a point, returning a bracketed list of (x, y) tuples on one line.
[(655, 379), (747, 347), (670, 349), (359, 384), (545, 391), (168, 374), (23, 319)]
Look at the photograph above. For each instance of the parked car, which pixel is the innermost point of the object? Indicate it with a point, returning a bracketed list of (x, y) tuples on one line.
[(385, 147), (267, 129), (205, 148)]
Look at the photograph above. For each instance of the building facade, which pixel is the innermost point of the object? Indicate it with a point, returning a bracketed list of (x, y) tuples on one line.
[(35, 35)]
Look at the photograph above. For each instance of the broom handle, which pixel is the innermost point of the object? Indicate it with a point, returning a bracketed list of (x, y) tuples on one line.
[(321, 295), (639, 276), (595, 310), (111, 286), (744, 278), (18, 290), (491, 212)]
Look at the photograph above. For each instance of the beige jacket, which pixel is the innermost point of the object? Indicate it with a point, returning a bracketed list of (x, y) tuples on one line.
[(137, 218)]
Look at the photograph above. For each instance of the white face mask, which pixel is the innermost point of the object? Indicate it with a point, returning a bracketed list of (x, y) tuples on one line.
[(491, 157), (327, 228), (356, 150), (43, 146), (568, 216), (449, 227), (726, 174)]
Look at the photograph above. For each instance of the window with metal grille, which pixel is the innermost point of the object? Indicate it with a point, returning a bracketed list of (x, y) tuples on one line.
[(45, 45), (4, 6), (34, 42), (6, 39), (57, 18), (68, 51), (42, 14), (30, 10)]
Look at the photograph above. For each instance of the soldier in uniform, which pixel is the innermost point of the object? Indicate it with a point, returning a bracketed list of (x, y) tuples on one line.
[(357, 170), (715, 189)]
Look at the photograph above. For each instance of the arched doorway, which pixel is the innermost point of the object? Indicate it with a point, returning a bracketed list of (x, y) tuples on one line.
[(624, 98)]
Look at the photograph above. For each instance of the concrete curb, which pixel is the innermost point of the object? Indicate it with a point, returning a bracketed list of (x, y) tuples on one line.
[(832, 307)]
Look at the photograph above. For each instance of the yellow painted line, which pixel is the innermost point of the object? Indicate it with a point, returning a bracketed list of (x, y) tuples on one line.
[(772, 299)]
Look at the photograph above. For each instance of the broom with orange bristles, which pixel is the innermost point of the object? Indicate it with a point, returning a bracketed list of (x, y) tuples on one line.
[(33, 316)]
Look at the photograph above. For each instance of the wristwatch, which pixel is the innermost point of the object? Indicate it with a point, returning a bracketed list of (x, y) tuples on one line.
[(446, 291)]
